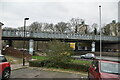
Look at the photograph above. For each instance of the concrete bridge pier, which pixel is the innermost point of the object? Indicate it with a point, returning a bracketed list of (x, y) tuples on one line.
[(31, 46), (93, 46), (8, 43), (87, 46)]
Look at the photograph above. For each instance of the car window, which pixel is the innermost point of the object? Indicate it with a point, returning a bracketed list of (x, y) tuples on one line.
[(113, 67), (3, 59), (92, 54), (88, 54)]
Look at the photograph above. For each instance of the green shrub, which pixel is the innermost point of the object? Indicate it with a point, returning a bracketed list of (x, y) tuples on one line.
[(39, 63), (35, 63), (58, 53), (72, 66), (77, 67)]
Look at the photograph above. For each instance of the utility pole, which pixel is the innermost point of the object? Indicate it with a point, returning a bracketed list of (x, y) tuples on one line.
[(24, 39)]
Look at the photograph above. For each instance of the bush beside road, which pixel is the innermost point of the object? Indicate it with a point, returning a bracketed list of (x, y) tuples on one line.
[(74, 65)]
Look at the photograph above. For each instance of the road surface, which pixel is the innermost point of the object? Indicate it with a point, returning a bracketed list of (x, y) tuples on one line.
[(32, 73), (103, 57)]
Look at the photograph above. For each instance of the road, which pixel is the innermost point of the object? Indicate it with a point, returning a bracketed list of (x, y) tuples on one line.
[(30, 73), (109, 58), (103, 57)]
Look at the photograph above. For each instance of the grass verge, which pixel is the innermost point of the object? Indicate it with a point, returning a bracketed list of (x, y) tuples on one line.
[(39, 57), (73, 61)]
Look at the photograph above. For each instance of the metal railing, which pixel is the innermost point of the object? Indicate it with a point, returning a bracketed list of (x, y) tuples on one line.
[(18, 33)]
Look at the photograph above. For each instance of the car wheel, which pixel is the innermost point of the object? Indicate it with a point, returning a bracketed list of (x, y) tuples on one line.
[(82, 57), (6, 74), (92, 58)]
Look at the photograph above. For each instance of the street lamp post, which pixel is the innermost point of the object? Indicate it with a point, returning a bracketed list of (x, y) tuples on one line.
[(100, 32), (1, 24), (24, 39)]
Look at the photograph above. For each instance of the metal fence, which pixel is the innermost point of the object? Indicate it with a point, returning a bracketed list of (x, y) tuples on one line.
[(18, 33)]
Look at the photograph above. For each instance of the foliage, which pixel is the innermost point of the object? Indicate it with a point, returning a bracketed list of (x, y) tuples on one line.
[(35, 63), (35, 27), (61, 27), (39, 57), (72, 60), (75, 65), (112, 29), (50, 28), (94, 28), (9, 28), (59, 52), (75, 25), (84, 62)]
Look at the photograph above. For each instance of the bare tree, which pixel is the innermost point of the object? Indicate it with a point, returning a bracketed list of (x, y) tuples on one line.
[(95, 28), (61, 27), (79, 26), (50, 28), (75, 23), (9, 28), (112, 29), (35, 27)]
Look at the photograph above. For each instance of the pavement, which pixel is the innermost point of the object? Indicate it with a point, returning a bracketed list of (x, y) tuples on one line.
[(18, 69), (38, 73), (19, 66)]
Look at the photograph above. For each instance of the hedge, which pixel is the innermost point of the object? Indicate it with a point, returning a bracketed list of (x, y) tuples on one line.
[(48, 64)]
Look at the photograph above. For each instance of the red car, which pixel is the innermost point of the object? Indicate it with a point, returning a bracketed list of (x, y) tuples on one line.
[(104, 70), (5, 68)]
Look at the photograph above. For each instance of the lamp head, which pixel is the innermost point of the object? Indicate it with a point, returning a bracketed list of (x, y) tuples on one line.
[(26, 18), (1, 24)]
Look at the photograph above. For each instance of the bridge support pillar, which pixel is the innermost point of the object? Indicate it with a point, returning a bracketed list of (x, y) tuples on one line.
[(8, 43), (76, 46), (93, 46), (31, 46)]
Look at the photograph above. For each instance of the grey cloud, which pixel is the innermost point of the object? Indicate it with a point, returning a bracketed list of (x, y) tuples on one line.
[(53, 12)]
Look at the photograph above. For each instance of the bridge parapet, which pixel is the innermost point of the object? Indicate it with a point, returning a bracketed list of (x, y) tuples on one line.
[(17, 33)]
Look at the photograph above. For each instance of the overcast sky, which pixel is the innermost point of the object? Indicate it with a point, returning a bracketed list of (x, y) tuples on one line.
[(13, 12)]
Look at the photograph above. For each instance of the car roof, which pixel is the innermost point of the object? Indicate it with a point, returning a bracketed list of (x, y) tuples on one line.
[(89, 53), (1, 55)]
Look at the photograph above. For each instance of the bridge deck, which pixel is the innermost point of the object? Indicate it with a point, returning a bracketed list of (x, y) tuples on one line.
[(48, 35)]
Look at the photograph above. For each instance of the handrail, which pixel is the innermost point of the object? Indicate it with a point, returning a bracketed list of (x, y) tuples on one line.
[(17, 33)]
